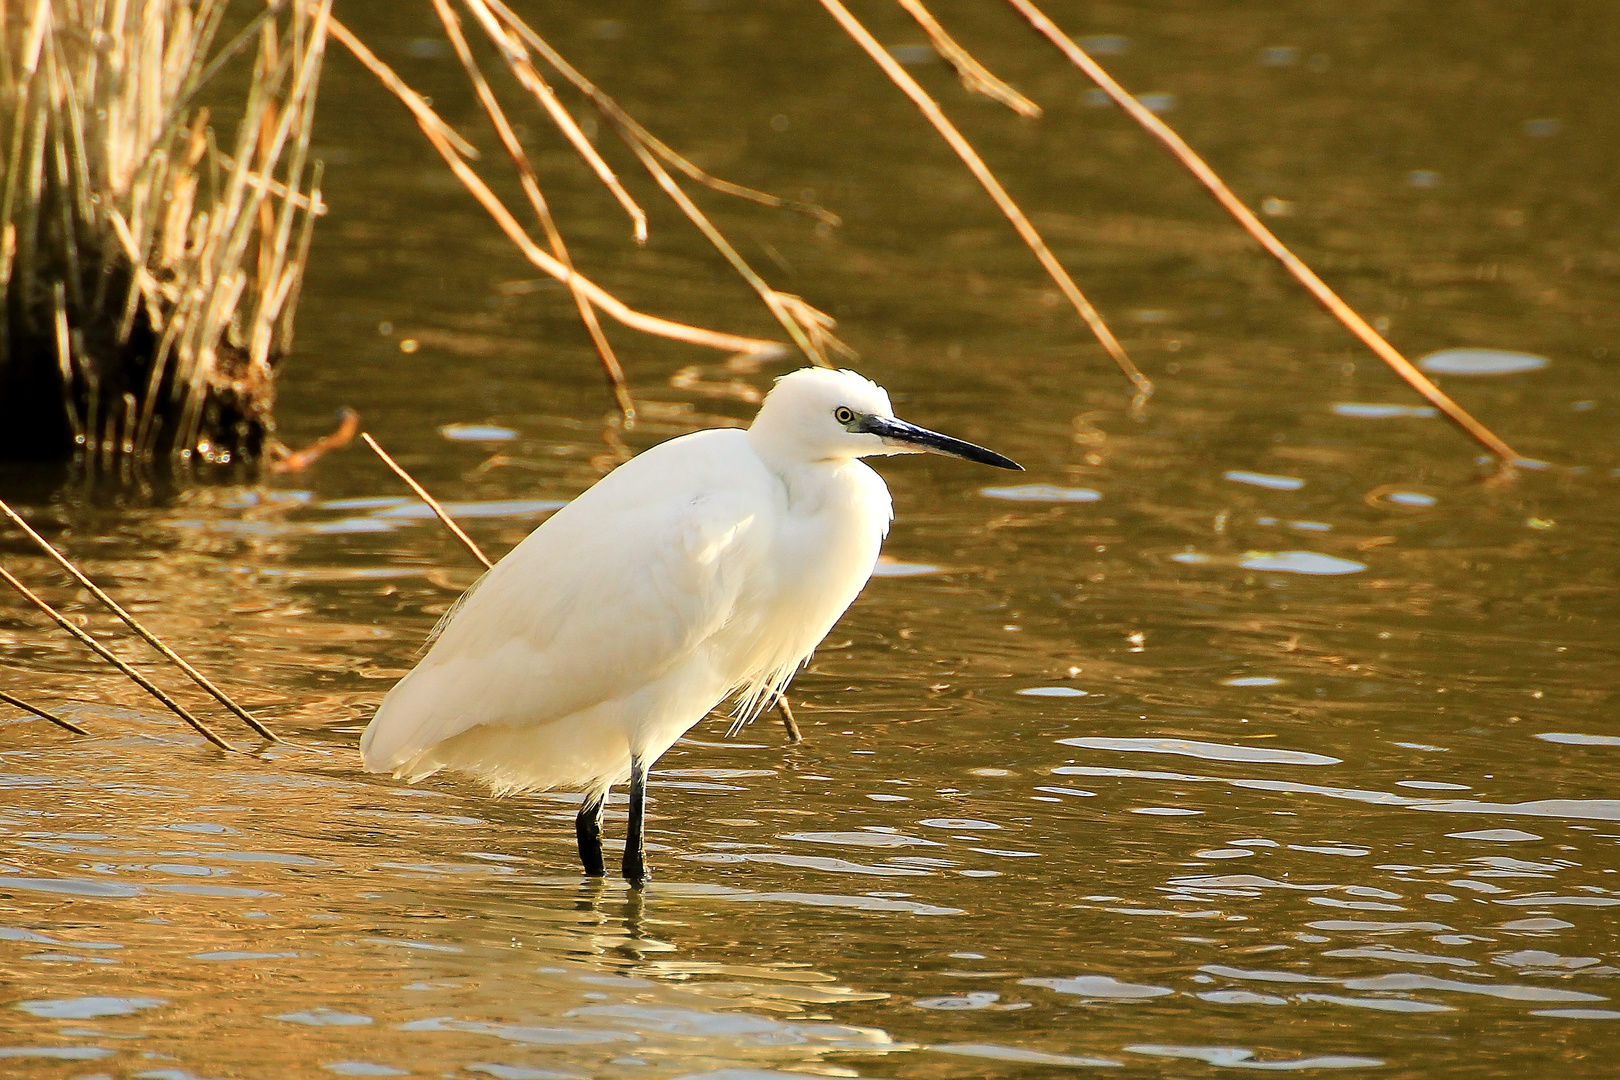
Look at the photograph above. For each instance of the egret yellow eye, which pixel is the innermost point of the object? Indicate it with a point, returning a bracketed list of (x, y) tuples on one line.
[(843, 415)]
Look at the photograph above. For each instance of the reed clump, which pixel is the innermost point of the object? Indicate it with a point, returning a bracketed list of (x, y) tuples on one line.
[(149, 274)]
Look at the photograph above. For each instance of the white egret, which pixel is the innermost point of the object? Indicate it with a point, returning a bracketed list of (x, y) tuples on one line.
[(707, 567)]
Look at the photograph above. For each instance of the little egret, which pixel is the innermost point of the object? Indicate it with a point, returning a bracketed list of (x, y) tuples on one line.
[(707, 567)]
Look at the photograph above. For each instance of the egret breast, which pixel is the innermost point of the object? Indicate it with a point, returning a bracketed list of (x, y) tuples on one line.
[(828, 531)]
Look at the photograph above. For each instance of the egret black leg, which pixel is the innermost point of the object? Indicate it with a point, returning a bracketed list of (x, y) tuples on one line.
[(788, 722), (588, 829), (635, 852)]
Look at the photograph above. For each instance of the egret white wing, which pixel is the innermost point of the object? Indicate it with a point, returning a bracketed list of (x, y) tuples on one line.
[(599, 602)]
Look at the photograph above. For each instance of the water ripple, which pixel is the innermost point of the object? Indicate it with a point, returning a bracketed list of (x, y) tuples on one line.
[(1205, 750), (1237, 1057)]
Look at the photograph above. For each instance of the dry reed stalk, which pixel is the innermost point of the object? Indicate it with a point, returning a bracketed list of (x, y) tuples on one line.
[(129, 620), (433, 127), (976, 79), (155, 271), (433, 504), (615, 113), (512, 53), (106, 654), (986, 178), (531, 188), (1255, 228), (41, 713), (810, 329)]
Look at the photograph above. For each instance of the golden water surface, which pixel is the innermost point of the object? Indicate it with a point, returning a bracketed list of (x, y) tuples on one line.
[(1250, 731)]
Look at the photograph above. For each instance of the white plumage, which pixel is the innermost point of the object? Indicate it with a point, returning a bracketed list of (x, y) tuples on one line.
[(709, 566)]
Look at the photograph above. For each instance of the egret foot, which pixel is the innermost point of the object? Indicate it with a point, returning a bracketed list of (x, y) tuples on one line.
[(588, 829), (635, 850)]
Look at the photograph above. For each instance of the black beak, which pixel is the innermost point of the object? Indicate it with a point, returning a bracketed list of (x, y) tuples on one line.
[(898, 431)]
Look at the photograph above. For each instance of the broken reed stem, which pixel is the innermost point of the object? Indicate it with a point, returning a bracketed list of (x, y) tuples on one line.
[(41, 713), (129, 620), (397, 86), (433, 504), (434, 129), (512, 53), (806, 337), (1245, 217), (794, 735), (614, 112), (106, 654), (810, 334), (976, 78), (531, 187), (981, 171), (298, 460)]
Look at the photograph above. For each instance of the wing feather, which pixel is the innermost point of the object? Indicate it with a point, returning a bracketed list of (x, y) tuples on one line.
[(601, 600)]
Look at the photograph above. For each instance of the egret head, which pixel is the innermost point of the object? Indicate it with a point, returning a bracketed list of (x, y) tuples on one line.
[(816, 414)]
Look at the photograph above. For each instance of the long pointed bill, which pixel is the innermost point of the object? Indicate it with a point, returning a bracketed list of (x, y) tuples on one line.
[(899, 434)]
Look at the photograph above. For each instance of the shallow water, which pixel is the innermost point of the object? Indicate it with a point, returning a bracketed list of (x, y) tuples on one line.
[(1252, 731)]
